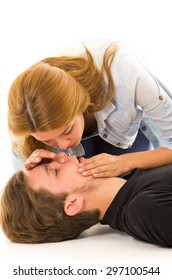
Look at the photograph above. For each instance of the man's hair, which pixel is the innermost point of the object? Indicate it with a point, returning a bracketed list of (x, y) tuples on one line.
[(27, 216)]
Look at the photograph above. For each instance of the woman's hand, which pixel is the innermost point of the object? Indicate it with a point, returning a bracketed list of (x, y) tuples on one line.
[(40, 155), (104, 165)]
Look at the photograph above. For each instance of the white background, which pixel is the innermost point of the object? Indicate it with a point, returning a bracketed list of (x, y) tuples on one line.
[(31, 30)]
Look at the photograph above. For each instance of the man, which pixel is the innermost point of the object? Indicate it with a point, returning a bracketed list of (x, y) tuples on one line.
[(53, 202)]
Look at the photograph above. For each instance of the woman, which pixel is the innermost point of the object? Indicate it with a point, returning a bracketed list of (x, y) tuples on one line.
[(103, 91)]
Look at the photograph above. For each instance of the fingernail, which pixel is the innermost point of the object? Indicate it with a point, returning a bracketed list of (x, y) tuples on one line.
[(84, 173), (80, 165), (80, 170)]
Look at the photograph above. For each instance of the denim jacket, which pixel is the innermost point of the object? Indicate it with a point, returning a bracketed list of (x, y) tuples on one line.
[(140, 100)]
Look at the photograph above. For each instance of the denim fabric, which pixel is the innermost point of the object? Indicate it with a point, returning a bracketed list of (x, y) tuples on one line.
[(138, 94), (150, 130)]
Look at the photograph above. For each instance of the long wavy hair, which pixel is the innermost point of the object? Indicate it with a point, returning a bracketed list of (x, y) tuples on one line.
[(49, 94), (27, 216)]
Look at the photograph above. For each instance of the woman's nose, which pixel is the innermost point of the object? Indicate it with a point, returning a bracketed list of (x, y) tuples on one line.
[(64, 144)]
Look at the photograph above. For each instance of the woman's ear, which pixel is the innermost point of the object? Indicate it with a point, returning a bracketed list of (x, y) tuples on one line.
[(73, 204)]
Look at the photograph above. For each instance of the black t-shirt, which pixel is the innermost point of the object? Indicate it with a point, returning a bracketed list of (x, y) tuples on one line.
[(143, 206)]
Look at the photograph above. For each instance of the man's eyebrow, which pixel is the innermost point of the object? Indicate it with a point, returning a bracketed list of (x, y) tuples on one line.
[(46, 169)]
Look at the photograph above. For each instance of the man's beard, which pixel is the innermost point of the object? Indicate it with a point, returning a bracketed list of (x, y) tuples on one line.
[(88, 187)]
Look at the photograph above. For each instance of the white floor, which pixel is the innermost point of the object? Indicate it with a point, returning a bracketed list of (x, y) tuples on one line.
[(98, 243)]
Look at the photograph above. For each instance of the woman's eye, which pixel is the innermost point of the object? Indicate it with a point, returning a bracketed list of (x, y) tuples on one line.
[(68, 131)]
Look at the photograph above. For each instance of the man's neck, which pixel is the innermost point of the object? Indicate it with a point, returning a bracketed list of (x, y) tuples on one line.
[(104, 193)]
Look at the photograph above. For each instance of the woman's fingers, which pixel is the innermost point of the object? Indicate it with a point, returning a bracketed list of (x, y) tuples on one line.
[(40, 155)]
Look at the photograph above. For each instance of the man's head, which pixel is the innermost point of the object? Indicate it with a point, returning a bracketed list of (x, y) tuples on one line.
[(45, 204)]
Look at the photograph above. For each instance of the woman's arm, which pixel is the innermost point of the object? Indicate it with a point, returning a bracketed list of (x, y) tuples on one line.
[(106, 165), (148, 159)]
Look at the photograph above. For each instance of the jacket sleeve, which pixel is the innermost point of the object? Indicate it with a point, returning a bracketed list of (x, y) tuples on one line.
[(156, 103)]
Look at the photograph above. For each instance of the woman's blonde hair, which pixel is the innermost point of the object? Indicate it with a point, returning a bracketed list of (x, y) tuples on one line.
[(53, 91)]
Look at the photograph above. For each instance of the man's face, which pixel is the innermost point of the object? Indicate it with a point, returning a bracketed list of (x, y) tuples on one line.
[(55, 177)]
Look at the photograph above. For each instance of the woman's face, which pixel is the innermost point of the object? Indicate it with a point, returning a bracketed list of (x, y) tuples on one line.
[(65, 137), (56, 177)]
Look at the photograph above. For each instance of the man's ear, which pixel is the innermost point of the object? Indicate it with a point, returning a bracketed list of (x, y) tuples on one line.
[(73, 204)]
